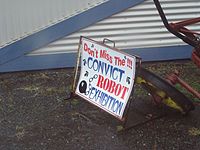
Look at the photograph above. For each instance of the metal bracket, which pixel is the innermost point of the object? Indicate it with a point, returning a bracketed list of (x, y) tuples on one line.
[(108, 40)]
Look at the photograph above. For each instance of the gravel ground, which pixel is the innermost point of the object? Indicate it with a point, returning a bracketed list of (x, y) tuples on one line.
[(36, 114)]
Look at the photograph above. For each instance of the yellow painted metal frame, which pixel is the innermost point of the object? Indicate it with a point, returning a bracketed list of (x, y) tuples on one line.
[(162, 94)]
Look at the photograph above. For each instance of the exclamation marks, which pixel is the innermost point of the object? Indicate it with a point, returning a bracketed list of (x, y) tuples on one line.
[(129, 63)]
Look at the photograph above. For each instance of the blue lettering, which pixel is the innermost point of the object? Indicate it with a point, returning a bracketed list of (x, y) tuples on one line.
[(105, 69), (105, 100), (95, 65), (89, 59)]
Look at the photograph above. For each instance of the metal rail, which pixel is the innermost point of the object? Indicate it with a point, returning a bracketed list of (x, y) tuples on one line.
[(179, 29)]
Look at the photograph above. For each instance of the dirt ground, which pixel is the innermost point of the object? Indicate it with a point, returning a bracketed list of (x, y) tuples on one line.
[(36, 114)]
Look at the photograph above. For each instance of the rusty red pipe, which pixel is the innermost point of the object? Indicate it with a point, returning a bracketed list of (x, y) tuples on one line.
[(174, 79)]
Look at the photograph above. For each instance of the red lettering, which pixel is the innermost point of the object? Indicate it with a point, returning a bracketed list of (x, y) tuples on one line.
[(100, 81), (106, 84), (125, 89), (118, 89), (112, 87), (85, 47)]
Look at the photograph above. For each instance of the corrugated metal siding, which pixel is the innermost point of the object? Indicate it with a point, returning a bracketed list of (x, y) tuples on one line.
[(137, 27), (21, 18)]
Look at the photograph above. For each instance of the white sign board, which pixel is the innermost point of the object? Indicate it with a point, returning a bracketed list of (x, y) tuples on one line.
[(107, 76)]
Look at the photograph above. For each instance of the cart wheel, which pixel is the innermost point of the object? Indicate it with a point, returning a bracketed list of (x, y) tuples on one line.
[(163, 91)]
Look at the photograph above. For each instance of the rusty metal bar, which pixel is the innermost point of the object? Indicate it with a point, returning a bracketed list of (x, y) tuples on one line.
[(188, 22), (174, 79), (77, 65), (195, 58), (172, 27)]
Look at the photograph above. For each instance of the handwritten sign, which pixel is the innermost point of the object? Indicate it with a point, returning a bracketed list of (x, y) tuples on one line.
[(107, 76)]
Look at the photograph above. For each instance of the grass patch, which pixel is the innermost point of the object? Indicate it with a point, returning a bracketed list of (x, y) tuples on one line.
[(194, 131), (188, 94)]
